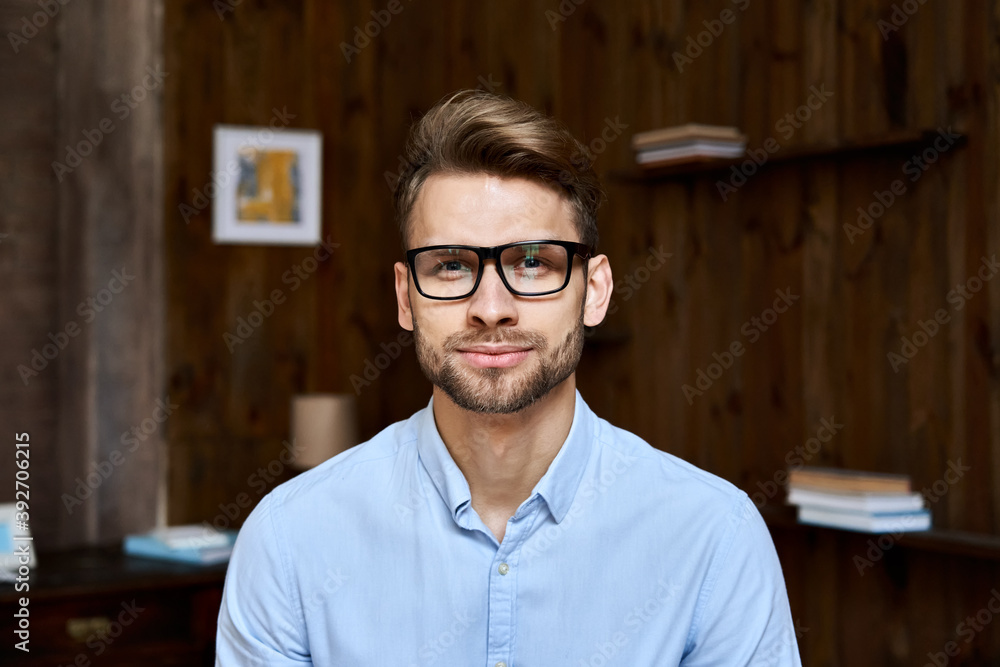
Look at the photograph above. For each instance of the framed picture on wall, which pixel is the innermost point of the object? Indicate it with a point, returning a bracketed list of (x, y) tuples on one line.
[(268, 186)]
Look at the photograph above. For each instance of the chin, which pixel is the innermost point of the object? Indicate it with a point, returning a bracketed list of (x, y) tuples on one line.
[(498, 391), (493, 406)]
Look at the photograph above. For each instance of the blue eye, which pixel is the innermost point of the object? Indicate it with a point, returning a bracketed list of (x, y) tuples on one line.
[(452, 269)]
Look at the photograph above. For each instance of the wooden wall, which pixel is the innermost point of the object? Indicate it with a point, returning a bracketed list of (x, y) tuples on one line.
[(825, 358), (28, 257), (80, 257)]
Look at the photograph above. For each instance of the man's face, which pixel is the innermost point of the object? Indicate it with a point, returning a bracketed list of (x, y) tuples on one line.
[(494, 352)]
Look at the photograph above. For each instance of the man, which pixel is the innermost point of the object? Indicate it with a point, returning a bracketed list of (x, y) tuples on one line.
[(505, 525)]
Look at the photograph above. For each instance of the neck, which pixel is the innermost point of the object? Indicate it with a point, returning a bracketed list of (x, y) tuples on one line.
[(504, 456)]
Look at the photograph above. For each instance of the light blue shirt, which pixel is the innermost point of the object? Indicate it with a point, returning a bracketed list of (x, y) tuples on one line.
[(622, 555)]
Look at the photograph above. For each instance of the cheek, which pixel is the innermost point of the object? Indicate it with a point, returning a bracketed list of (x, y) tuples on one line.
[(553, 319), (437, 323)]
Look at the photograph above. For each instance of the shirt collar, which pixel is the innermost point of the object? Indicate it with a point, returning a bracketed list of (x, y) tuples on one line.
[(558, 486)]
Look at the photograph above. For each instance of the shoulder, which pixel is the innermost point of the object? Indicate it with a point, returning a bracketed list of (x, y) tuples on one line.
[(676, 501), (348, 476), (662, 475), (324, 508)]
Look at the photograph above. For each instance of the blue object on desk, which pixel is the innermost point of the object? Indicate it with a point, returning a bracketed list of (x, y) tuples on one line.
[(152, 546), (6, 539)]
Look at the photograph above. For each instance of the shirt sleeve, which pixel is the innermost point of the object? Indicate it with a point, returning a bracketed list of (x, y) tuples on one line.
[(743, 616), (260, 620)]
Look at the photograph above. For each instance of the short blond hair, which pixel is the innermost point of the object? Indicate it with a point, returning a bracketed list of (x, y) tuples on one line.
[(474, 132)]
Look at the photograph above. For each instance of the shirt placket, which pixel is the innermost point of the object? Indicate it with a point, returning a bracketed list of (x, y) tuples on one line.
[(503, 587)]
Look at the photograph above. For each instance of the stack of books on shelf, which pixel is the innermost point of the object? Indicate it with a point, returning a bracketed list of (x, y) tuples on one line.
[(854, 500), (687, 143), (186, 544)]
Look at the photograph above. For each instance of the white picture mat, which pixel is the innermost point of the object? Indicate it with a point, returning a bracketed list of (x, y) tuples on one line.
[(226, 228)]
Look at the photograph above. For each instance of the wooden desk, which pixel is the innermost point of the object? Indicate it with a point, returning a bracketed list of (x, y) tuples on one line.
[(96, 606)]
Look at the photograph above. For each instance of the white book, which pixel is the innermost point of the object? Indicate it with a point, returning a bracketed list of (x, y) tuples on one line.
[(192, 536), (856, 501), (903, 522)]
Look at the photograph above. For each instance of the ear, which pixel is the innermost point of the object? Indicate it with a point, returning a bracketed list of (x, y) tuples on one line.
[(403, 311), (599, 283)]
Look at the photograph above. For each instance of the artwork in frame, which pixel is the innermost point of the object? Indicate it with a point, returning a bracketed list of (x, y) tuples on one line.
[(272, 195)]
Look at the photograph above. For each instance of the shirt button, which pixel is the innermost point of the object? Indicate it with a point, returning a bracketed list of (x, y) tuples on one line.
[(501, 664), (503, 569)]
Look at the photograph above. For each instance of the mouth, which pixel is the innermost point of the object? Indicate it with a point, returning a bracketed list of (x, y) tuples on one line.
[(494, 356)]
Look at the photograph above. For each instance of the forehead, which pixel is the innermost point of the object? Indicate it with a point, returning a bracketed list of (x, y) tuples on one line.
[(486, 210)]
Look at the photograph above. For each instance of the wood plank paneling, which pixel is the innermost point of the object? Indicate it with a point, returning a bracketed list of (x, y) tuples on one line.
[(82, 172), (28, 258), (110, 229), (784, 229)]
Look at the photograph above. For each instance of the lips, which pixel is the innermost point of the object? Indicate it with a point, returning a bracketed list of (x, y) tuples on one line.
[(494, 356), (493, 349)]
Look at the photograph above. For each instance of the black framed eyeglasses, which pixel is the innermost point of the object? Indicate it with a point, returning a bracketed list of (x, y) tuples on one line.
[(529, 268)]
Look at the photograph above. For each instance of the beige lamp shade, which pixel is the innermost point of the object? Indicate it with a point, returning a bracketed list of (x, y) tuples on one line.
[(323, 425)]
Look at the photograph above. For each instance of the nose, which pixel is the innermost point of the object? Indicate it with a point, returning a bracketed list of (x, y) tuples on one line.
[(492, 304)]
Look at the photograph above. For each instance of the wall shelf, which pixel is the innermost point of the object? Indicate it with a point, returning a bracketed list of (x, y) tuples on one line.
[(889, 143), (955, 542)]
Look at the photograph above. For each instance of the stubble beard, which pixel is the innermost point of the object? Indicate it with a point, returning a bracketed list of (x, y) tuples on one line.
[(499, 390)]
